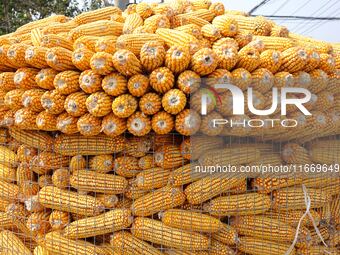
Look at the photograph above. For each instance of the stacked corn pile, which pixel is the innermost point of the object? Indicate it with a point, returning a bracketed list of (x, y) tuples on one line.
[(73, 181)]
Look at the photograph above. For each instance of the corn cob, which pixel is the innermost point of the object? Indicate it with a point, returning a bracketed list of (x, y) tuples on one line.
[(210, 32), (138, 85), (191, 29), (67, 124), (101, 63), (226, 234), (75, 104), (101, 163), (40, 250), (162, 79), (45, 161), (7, 81), (34, 139), (57, 244), (124, 242), (16, 54), (139, 124), (271, 60), (187, 18), (40, 23), (190, 221), (168, 156), (6, 65), (24, 173), (150, 103), (185, 252), (98, 182), (45, 180), (175, 37), (187, 122), (100, 14), (135, 42), (152, 55), (256, 25), (24, 78), (317, 250), (257, 246), (109, 201), (7, 173), (134, 192), (59, 219), (45, 78), (11, 244), (67, 82), (126, 62), (324, 152), (228, 26), (59, 59), (31, 99), (318, 81), (90, 82), (108, 222), (77, 162), (38, 222), (56, 28), (87, 42), (249, 58), (156, 232), (146, 162), (152, 178), (114, 84), (113, 126), (124, 105), (97, 28), (228, 56), (72, 145), (157, 21), (162, 122), (293, 198), (188, 82), (5, 221), (8, 157), (174, 101), (132, 21), (25, 119), (106, 44), (69, 201), (207, 124), (61, 178), (54, 40), (89, 125), (138, 146), (218, 248), (160, 199), (204, 61), (81, 58), (177, 58)]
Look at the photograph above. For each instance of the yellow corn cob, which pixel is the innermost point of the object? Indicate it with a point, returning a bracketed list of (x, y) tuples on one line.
[(126, 62), (132, 21), (190, 221), (249, 58), (109, 201), (114, 84), (71, 145), (87, 42), (243, 204), (152, 178), (11, 244), (97, 28), (175, 37), (59, 59), (146, 162), (53, 102), (227, 235), (187, 122), (56, 28), (89, 81), (113, 126), (40, 250), (313, 60), (267, 228), (35, 56), (177, 59), (7, 81), (39, 140), (185, 252), (77, 162), (45, 161), (211, 33), (106, 44), (8, 157), (174, 101), (7, 173), (32, 99), (59, 219), (138, 85), (293, 59), (126, 166), (318, 81), (28, 189), (207, 124), (57, 244), (293, 198), (161, 199), (41, 23), (324, 152), (262, 80), (228, 26), (275, 43), (25, 119), (257, 246), (187, 18), (325, 101), (124, 242), (188, 81), (257, 25), (327, 63), (45, 180), (204, 61), (100, 14), (138, 146), (218, 248), (69, 201), (89, 125), (67, 82), (168, 156), (81, 58), (16, 54), (67, 124), (38, 222), (75, 104), (45, 77), (101, 63), (293, 217), (138, 124), (157, 232), (228, 56), (5, 63), (318, 250), (157, 21), (150, 103), (24, 172), (108, 222), (191, 29), (133, 192), (54, 40), (162, 123), (99, 104), (61, 178), (271, 60), (162, 79), (6, 221), (24, 78), (98, 182)]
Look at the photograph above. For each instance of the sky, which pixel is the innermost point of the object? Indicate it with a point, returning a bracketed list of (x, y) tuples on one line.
[(322, 30)]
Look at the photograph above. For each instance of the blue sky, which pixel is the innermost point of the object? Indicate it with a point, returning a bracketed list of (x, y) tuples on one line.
[(323, 30)]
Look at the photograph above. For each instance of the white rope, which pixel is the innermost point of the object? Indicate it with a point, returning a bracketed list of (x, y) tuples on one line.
[(307, 212)]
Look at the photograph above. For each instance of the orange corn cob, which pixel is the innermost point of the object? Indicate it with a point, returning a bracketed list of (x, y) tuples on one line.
[(174, 101), (228, 26), (32, 99), (153, 178), (207, 124), (157, 21), (219, 76), (90, 82), (188, 81), (139, 124), (114, 84), (293, 59), (99, 104), (177, 59), (89, 125), (191, 29), (54, 40), (187, 122), (168, 156), (13, 100), (67, 124), (101, 63), (133, 192), (132, 21), (106, 44), (313, 60), (156, 232), (257, 25), (38, 222), (228, 56), (162, 79), (150, 103), (24, 78), (144, 10), (100, 14), (138, 85), (124, 106), (86, 41), (53, 102), (45, 78), (126, 62), (67, 82), (46, 121), (134, 42), (25, 119), (59, 59), (81, 58), (327, 63), (75, 104), (211, 32), (318, 81), (61, 178), (162, 123), (146, 162), (7, 81), (152, 55), (262, 80), (138, 146), (35, 56), (46, 161), (11, 244), (101, 163), (109, 201), (9, 191), (271, 60), (249, 58), (113, 125), (77, 162), (204, 61), (59, 219), (16, 54)]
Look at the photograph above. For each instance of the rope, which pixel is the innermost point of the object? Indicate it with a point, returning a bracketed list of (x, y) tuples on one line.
[(307, 212)]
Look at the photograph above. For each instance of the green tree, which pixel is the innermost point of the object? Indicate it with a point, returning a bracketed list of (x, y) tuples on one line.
[(15, 13)]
